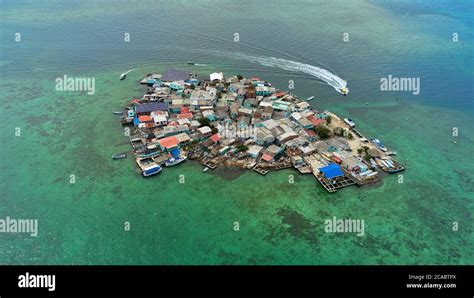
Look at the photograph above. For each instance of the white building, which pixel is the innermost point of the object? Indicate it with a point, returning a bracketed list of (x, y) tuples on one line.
[(216, 76)]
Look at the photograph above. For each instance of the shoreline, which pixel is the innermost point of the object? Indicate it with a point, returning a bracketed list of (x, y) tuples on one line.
[(247, 124)]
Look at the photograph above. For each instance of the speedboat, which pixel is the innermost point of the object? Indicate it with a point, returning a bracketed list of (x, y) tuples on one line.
[(124, 75), (379, 144), (174, 161), (344, 91), (349, 122), (191, 63)]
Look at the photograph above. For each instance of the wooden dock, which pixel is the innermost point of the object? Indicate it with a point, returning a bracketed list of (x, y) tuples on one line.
[(210, 164), (334, 184), (260, 170), (282, 166)]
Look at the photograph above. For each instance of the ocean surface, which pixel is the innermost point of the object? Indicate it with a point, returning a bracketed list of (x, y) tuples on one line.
[(48, 135)]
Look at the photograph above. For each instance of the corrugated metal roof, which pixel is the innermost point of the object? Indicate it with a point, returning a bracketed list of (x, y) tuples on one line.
[(174, 75), (150, 107)]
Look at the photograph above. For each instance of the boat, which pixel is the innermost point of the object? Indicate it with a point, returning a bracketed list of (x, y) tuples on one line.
[(205, 169), (379, 144), (310, 98), (174, 161), (396, 170), (151, 170), (344, 91), (349, 122), (119, 156), (118, 113), (191, 63), (148, 167), (124, 75)]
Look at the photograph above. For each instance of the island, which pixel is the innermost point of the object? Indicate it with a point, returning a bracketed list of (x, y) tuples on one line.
[(247, 123)]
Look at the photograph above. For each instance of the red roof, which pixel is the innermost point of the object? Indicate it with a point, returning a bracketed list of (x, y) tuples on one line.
[(144, 118), (168, 142), (281, 93), (135, 100), (215, 138), (310, 133), (185, 116), (267, 157), (315, 121), (255, 79), (184, 110)]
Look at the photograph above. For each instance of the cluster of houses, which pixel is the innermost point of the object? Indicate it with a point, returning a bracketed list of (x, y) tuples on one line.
[(245, 120)]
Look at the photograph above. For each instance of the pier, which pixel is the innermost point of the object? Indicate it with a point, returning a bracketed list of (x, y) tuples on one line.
[(260, 170), (210, 164), (334, 184)]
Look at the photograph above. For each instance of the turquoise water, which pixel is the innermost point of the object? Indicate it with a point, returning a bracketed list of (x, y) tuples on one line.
[(72, 133)]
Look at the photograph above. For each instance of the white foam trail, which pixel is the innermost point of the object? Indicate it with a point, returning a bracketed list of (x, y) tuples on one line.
[(129, 71), (294, 66)]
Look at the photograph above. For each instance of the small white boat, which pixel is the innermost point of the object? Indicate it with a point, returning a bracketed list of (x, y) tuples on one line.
[(379, 144), (344, 91), (174, 161), (349, 122), (310, 98), (124, 75), (205, 169)]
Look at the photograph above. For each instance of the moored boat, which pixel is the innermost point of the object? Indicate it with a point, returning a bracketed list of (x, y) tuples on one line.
[(119, 156), (349, 122), (379, 144), (174, 161), (151, 170), (148, 167)]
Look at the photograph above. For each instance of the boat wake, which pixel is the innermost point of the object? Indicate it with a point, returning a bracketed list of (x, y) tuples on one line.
[(293, 66)]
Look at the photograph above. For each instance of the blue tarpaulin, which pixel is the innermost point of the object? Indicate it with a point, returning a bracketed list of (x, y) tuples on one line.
[(175, 152), (135, 121), (331, 171)]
